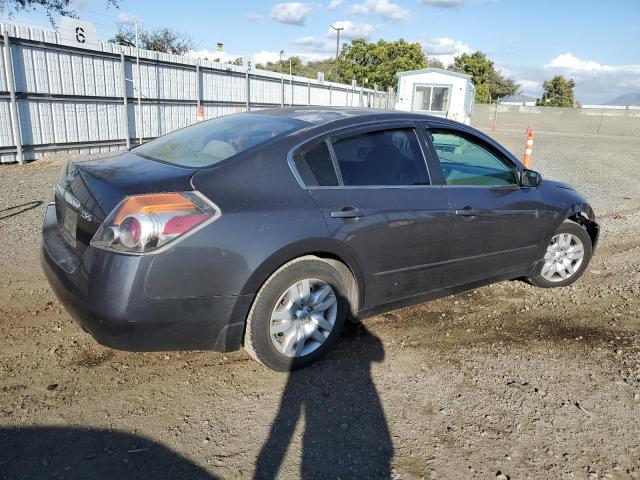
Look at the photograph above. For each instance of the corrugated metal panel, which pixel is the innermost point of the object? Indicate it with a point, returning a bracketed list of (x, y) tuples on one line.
[(6, 134), (3, 80), (46, 121), (167, 86)]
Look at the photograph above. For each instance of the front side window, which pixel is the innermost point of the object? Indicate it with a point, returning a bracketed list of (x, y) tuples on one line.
[(466, 162), (213, 141), (380, 158), (431, 98)]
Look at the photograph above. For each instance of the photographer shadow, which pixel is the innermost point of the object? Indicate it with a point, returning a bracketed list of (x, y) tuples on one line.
[(345, 430)]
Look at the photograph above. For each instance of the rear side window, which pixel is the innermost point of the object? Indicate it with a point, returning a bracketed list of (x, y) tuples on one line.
[(315, 166), (381, 158), (207, 143)]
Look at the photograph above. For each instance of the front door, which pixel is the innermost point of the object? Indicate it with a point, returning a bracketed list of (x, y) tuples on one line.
[(381, 204), (497, 225)]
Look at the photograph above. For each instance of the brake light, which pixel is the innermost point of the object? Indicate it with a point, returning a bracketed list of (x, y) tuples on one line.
[(143, 223)]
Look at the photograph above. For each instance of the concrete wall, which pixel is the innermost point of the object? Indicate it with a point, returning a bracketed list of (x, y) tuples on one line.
[(562, 120)]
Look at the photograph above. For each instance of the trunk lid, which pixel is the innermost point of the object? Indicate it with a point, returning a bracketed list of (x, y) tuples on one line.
[(89, 188)]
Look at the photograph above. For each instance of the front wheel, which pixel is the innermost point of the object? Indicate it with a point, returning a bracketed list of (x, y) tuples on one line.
[(297, 315), (566, 257)]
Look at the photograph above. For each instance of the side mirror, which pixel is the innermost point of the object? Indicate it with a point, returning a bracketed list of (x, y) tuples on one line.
[(530, 178)]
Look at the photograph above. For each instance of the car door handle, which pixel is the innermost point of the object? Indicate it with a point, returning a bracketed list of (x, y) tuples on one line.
[(347, 212), (467, 212)]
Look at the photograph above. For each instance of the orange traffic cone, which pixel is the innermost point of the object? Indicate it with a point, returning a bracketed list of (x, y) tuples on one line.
[(528, 149)]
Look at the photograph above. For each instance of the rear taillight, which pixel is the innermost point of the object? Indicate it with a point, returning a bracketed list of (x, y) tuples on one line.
[(143, 223)]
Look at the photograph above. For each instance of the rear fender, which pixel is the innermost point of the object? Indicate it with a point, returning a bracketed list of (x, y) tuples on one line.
[(322, 247)]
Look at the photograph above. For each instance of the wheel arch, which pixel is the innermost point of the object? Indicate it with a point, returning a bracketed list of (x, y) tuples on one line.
[(325, 248), (583, 215)]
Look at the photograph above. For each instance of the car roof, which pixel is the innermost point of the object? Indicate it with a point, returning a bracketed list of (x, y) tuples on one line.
[(324, 115)]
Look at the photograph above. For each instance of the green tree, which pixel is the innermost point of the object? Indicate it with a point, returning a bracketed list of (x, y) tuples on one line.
[(282, 66), (327, 66), (377, 63), (558, 92), (163, 40), (51, 7), (491, 86), (435, 63)]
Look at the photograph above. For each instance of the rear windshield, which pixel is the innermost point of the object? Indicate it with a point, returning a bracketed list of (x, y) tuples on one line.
[(208, 143)]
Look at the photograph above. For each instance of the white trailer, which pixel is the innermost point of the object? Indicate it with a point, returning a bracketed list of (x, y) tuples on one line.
[(438, 92)]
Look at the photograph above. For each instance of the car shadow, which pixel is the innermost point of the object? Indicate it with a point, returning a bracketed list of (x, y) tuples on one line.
[(78, 453), (18, 209), (345, 431)]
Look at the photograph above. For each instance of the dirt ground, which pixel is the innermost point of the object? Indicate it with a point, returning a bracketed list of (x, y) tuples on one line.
[(507, 381)]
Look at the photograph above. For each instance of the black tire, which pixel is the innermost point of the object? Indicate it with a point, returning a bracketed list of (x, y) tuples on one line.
[(573, 228), (257, 338)]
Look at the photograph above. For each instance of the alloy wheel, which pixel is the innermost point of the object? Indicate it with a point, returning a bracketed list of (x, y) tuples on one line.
[(303, 317), (563, 257)]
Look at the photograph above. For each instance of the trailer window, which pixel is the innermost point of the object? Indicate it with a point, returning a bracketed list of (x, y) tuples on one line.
[(431, 98)]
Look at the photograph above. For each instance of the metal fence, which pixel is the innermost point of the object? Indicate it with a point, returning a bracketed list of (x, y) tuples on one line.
[(55, 97)]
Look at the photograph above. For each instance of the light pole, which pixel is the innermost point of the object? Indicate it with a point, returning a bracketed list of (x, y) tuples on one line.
[(338, 30)]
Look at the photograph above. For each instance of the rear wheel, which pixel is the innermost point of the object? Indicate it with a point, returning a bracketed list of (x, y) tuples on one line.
[(297, 315), (566, 257)]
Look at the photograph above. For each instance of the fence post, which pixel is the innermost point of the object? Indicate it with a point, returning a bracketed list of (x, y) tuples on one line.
[(125, 101), (248, 86), (15, 118), (198, 85), (308, 93), (330, 99), (282, 92), (360, 104)]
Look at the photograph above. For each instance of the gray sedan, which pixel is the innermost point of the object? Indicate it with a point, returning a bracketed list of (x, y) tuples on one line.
[(268, 230)]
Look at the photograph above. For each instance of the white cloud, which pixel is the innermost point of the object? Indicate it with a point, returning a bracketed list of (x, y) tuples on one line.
[(443, 48), (254, 17), (383, 8), (314, 42), (262, 56), (215, 56), (443, 3), (529, 85), (596, 83), (352, 30), (292, 13), (570, 63), (333, 4), (127, 18)]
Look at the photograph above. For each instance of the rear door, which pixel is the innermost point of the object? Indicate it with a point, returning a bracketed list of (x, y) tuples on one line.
[(497, 225), (373, 188)]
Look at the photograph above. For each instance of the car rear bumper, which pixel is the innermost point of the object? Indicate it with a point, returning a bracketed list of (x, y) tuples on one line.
[(105, 294)]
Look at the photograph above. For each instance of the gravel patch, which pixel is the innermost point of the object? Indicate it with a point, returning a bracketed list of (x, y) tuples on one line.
[(506, 381)]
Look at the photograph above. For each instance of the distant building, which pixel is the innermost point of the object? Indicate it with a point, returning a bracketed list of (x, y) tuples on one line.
[(438, 92), (523, 100)]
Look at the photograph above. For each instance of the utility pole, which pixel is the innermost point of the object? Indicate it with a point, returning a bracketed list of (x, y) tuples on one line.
[(338, 30)]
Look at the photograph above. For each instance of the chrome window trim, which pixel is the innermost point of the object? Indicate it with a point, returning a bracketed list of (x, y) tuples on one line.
[(355, 130), (499, 155)]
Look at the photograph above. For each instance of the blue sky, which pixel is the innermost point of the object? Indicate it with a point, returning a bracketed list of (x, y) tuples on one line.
[(594, 42)]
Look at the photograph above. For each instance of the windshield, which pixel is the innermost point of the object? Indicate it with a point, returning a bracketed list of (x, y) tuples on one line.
[(208, 143)]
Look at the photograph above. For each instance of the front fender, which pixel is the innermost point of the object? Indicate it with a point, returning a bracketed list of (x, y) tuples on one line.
[(566, 203)]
